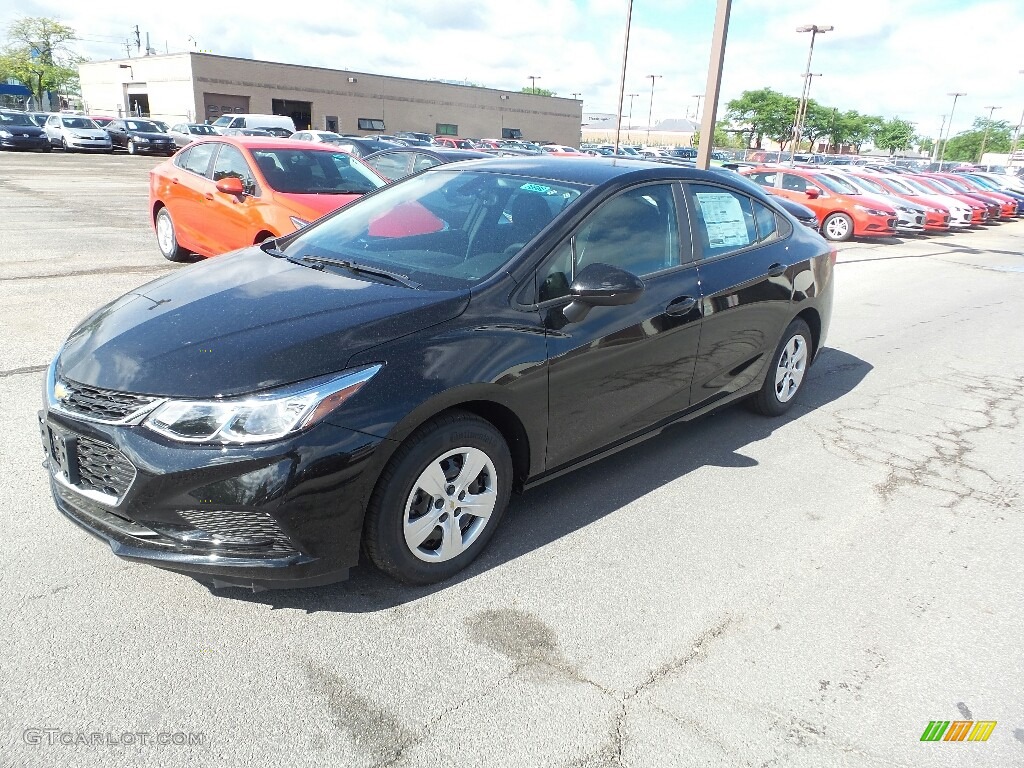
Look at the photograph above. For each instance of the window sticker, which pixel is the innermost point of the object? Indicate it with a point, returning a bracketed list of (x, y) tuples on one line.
[(723, 218), (534, 188)]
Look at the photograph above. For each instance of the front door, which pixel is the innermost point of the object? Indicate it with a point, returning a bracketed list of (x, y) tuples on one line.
[(236, 222), (622, 369)]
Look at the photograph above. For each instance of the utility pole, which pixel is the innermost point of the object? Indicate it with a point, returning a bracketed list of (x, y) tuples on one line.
[(138, 40), (942, 154), (650, 112), (533, 82), (622, 78), (696, 113), (707, 124), (935, 149), (815, 30), (988, 126), (1016, 139)]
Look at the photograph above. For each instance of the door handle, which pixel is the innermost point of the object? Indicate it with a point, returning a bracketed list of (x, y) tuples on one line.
[(776, 270), (681, 306), (208, 196)]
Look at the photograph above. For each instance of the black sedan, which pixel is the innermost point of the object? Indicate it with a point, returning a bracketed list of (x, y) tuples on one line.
[(399, 162), (140, 136), (383, 379), (18, 131)]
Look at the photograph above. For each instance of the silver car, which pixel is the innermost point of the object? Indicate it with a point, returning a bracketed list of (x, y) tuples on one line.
[(75, 133), (186, 133), (319, 137)]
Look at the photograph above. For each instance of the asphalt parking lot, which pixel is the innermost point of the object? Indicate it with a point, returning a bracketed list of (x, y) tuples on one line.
[(808, 591)]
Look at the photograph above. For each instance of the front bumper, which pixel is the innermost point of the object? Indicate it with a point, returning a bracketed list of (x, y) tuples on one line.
[(876, 226), (95, 145), (25, 142), (165, 148), (283, 514)]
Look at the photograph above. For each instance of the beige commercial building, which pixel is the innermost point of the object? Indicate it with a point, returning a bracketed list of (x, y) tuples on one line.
[(200, 86)]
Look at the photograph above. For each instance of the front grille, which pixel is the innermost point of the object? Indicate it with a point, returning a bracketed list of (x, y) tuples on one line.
[(103, 468), (103, 404), (256, 530)]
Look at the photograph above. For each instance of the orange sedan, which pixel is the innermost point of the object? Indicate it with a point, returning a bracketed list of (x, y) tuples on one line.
[(229, 192)]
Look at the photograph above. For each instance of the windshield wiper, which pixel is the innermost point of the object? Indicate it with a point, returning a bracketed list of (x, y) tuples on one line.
[(365, 269)]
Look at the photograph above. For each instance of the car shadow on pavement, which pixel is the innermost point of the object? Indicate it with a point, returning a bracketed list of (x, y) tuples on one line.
[(564, 505)]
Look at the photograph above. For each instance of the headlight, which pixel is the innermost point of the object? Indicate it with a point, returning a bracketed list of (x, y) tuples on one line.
[(871, 211), (260, 417), (299, 223), (5, 134)]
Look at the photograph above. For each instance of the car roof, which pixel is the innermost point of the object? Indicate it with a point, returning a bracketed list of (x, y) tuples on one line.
[(449, 154), (591, 170), (268, 142)]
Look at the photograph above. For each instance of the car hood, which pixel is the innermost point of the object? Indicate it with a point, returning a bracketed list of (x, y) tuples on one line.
[(875, 201), (90, 133), (22, 130), (242, 322), (315, 205)]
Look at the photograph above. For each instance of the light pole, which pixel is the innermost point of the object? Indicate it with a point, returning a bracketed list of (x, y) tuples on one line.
[(650, 111), (696, 114), (131, 71), (622, 77), (935, 149), (949, 130), (815, 30), (577, 96), (801, 117), (1016, 134), (533, 82), (988, 126)]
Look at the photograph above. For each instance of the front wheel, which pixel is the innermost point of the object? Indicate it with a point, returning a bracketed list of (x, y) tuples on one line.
[(166, 239), (837, 227), (131, 147), (786, 372), (439, 500), (64, 145)]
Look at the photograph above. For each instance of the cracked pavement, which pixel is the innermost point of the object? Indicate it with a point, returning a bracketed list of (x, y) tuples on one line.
[(807, 591)]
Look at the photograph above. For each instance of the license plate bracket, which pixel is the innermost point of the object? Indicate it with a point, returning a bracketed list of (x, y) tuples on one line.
[(60, 448)]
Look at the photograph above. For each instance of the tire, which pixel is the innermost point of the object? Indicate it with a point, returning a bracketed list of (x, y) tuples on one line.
[(166, 237), (837, 227), (428, 469), (787, 372), (47, 148), (64, 144), (131, 147)]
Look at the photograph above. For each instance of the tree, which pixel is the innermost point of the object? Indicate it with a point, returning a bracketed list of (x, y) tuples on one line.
[(817, 123), (894, 135), (538, 91), (36, 54), (925, 144), (966, 145), (767, 112)]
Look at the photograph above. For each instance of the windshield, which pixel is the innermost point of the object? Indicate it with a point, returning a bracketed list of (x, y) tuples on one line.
[(79, 122), (899, 186), (446, 230), (202, 130), (941, 187), (836, 184), (872, 186), (141, 125), (15, 118), (955, 185), (983, 182), (310, 172)]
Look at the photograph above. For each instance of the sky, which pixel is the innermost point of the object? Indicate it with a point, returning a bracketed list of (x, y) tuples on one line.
[(884, 57)]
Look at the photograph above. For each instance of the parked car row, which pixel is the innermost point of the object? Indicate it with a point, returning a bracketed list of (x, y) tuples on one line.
[(860, 202)]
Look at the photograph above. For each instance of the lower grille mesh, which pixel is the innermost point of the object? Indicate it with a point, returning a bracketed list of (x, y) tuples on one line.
[(250, 529), (103, 468)]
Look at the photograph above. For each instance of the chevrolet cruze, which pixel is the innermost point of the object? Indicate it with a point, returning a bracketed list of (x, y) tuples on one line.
[(382, 380)]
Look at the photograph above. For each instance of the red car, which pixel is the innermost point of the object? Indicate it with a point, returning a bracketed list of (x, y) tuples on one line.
[(228, 192), (936, 215), (1007, 204), (939, 187), (841, 210), (453, 143)]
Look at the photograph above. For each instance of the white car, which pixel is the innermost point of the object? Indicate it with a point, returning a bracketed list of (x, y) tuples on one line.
[(960, 214), (319, 137), (76, 133)]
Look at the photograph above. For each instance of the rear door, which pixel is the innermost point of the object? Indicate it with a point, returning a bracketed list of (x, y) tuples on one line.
[(747, 273), (187, 200)]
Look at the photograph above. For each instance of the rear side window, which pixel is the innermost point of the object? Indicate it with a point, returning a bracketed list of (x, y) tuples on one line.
[(197, 160), (394, 165), (767, 223), (723, 220)]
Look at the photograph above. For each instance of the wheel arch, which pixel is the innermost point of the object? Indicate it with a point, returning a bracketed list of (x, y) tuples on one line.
[(810, 316)]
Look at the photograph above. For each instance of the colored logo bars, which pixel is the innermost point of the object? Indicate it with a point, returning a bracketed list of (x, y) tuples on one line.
[(958, 730)]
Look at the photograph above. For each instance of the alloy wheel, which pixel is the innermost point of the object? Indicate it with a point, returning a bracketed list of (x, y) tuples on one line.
[(450, 504), (837, 227), (791, 369)]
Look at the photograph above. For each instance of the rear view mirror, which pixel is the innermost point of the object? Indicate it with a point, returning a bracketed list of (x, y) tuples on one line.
[(601, 285), (231, 185)]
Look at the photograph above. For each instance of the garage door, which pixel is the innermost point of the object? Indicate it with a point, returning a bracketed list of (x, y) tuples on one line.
[(217, 104)]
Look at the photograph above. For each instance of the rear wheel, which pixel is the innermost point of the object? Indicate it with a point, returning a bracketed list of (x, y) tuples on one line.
[(439, 500), (166, 239), (786, 372), (837, 227)]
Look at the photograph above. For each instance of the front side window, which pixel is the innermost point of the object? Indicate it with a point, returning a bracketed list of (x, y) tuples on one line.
[(636, 231), (394, 165), (308, 171), (231, 164), (723, 220), (198, 158), (794, 183), (445, 230)]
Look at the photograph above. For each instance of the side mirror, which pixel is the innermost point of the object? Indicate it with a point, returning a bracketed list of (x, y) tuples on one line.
[(231, 185), (813, 193), (601, 285)]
